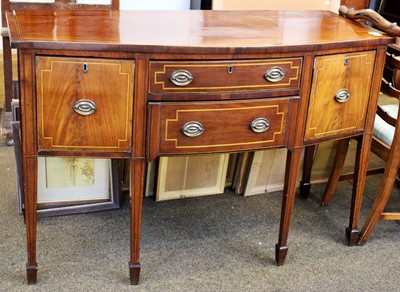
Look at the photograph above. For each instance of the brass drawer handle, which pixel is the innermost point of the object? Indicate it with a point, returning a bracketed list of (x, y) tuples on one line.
[(84, 107), (181, 78), (259, 125), (274, 74), (192, 129), (342, 95)]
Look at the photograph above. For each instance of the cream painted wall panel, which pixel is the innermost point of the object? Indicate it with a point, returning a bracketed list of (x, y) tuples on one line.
[(332, 5), (102, 2), (154, 4), (144, 5)]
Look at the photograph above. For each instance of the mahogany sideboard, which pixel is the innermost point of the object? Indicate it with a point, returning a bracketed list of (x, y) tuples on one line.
[(138, 85)]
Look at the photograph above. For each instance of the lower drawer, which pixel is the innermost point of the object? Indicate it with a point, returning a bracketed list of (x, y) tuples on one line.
[(199, 127)]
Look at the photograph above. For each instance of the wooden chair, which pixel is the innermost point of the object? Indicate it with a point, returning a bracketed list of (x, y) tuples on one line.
[(7, 5), (388, 149), (385, 141)]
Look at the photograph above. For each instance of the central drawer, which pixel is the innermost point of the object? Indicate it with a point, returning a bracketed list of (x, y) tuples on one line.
[(174, 77), (199, 127)]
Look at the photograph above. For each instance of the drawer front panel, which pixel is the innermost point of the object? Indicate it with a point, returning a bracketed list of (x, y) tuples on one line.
[(84, 104), (224, 76), (339, 94), (218, 126)]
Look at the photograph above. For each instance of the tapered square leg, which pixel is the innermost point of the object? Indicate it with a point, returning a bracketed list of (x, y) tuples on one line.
[(134, 273), (137, 189), (360, 171), (305, 184), (305, 188), (352, 236), (280, 254), (31, 274), (292, 170), (30, 201)]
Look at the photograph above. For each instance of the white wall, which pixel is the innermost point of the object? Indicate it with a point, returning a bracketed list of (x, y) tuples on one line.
[(332, 5), (134, 5), (145, 4), (154, 4)]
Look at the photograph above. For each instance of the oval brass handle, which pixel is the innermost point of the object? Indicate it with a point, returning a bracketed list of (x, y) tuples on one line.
[(274, 74), (84, 107), (342, 95), (259, 125), (181, 78), (192, 129)]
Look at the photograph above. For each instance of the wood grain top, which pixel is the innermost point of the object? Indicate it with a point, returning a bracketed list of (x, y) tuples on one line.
[(192, 31)]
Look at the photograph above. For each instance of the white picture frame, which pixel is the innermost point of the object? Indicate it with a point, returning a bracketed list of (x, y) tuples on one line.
[(191, 176), (63, 179), (48, 205)]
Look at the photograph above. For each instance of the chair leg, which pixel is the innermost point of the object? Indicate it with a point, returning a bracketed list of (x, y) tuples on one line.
[(340, 157), (374, 214), (385, 190)]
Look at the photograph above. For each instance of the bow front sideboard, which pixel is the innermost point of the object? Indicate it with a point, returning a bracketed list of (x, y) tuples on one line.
[(139, 85)]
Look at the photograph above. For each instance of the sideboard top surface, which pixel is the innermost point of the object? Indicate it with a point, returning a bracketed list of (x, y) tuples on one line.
[(188, 31)]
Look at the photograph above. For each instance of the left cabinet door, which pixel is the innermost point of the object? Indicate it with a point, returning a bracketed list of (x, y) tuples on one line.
[(84, 104)]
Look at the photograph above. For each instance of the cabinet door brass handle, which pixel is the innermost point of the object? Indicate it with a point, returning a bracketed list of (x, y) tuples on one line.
[(259, 125), (192, 129), (342, 95), (181, 78), (84, 107), (274, 74)]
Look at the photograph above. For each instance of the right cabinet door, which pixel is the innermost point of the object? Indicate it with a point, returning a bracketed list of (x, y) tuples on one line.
[(339, 95)]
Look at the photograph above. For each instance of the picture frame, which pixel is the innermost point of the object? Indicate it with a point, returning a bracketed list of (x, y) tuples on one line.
[(191, 176), (57, 197)]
